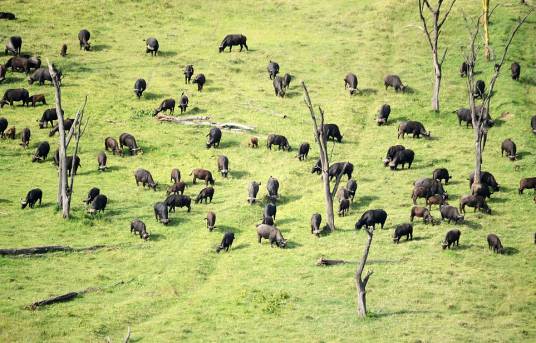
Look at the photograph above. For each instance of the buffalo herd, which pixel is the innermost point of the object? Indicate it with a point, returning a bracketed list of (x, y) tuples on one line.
[(430, 189)]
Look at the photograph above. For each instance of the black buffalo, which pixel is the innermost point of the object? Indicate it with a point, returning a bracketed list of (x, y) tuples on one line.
[(178, 200), (351, 186), (272, 186), (370, 218), (480, 89), (145, 177), (253, 190), (403, 230), (272, 234), (340, 168), (273, 69), (280, 141), (7, 16), (126, 139), (152, 46), (32, 197), (510, 148), (67, 124), (166, 105), (331, 131), (25, 137), (83, 37), (450, 213), (184, 103), (452, 237), (401, 158), (23, 63), (350, 82), (516, 71), (200, 80), (270, 211), (232, 40), (214, 138), (441, 174), (98, 204), (383, 114), (37, 98), (391, 153), (316, 219), (527, 183), (138, 227), (303, 151), (139, 87), (202, 174), (101, 160), (279, 89), (92, 194), (412, 127), (188, 72), (286, 81), (395, 82), (476, 201), (494, 243), (223, 165), (13, 45), (161, 213), (3, 126), (211, 220), (41, 153), (111, 144), (43, 74), (486, 178), (226, 242), (205, 194), (12, 95)]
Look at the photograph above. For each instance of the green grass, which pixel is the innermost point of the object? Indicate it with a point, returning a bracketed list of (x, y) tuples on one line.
[(176, 287)]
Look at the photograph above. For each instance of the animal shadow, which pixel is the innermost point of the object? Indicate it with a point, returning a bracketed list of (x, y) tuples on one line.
[(292, 245), (150, 96), (239, 246), (113, 168), (197, 110), (366, 200), (510, 251), (156, 237), (472, 225), (367, 91), (460, 247), (166, 53), (100, 47), (239, 174), (225, 228), (528, 80), (522, 154)]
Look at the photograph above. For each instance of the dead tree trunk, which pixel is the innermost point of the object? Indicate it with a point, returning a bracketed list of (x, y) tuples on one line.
[(322, 145), (360, 281), (485, 24), (481, 120), (432, 36), (65, 188)]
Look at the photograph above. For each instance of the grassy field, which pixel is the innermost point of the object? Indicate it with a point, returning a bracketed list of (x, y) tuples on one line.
[(175, 287)]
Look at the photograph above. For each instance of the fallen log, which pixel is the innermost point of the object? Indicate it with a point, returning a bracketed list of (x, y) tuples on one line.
[(46, 249), (204, 121), (67, 296), (326, 262)]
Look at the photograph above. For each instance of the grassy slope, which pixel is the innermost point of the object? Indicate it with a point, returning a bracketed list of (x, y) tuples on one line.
[(175, 286)]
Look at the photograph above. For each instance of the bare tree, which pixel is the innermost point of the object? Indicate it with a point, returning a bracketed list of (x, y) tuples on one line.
[(320, 136), (432, 35), (485, 26), (65, 188), (360, 281), (481, 119)]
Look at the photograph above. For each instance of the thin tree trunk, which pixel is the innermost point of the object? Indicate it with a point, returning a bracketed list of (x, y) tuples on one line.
[(485, 24), (324, 161), (360, 282), (437, 84)]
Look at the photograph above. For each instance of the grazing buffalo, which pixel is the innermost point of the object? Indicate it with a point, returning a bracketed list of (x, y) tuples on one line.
[(72, 164), (403, 230), (412, 127), (13, 45), (421, 212), (253, 142), (486, 178), (351, 186), (63, 51), (7, 16), (202, 174), (272, 187), (342, 194), (139, 87), (401, 158), (214, 138), (25, 137), (3, 126), (184, 102), (370, 218), (101, 160), (279, 89), (450, 213), (37, 98), (31, 198), (226, 242), (161, 213), (111, 144), (533, 124), (476, 201), (280, 141), (232, 40), (223, 165), (152, 46), (391, 153), (41, 153), (211, 220), (383, 114), (436, 200), (178, 200), (331, 131), (67, 124), (12, 95), (272, 234), (350, 82), (270, 211), (205, 194), (273, 70), (83, 37), (464, 114), (175, 175), (480, 89), (166, 105), (200, 80), (49, 115), (340, 168), (10, 133), (441, 174), (23, 64), (43, 74), (176, 188), (126, 139), (344, 207), (433, 186), (188, 72), (395, 82), (316, 219), (303, 151), (138, 227), (145, 177), (495, 243), (286, 81), (516, 71), (464, 69), (527, 183), (509, 146), (452, 237), (3, 70), (98, 204), (253, 190), (92, 194)]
